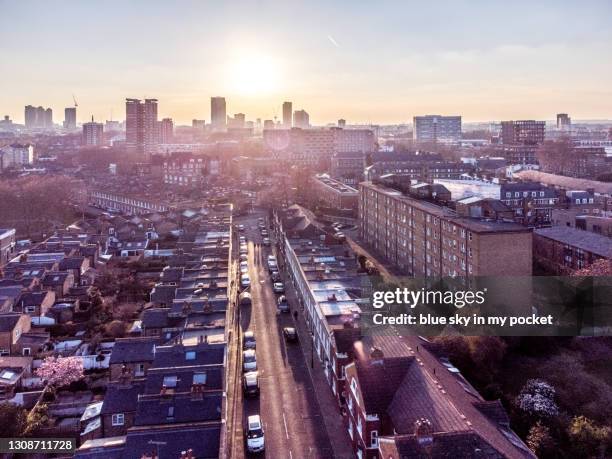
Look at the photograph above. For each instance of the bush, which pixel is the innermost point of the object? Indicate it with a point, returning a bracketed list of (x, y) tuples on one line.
[(587, 438), (116, 329)]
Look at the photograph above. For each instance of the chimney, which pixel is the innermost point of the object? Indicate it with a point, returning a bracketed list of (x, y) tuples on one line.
[(376, 356), (423, 431)]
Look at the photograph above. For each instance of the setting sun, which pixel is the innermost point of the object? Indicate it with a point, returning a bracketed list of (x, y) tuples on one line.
[(254, 75)]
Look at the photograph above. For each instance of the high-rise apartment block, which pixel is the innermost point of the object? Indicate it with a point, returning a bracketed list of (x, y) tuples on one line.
[(237, 122), (93, 133), (166, 130), (422, 238), (308, 147), (218, 113), (564, 122), (38, 117), (437, 128), (70, 118), (287, 112), (301, 119), (523, 132), (141, 125)]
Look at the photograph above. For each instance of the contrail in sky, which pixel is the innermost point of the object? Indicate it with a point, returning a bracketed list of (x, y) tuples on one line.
[(333, 42)]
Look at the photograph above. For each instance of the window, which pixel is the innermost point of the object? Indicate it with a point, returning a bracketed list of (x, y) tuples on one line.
[(170, 381), (118, 419), (170, 411), (190, 355), (140, 369), (26, 351), (374, 439), (199, 378)]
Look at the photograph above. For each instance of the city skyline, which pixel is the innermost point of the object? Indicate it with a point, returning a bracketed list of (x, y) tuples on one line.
[(382, 65)]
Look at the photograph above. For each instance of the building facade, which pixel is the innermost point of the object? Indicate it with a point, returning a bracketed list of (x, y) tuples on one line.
[(70, 118), (437, 128), (287, 112), (424, 239), (93, 133), (525, 132), (218, 113)]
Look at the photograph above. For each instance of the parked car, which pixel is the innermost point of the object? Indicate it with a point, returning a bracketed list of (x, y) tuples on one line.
[(250, 383), (244, 267), (245, 281), (275, 276), (243, 257), (290, 334), (266, 241), (245, 298), (240, 227), (278, 287), (248, 340), (249, 360), (243, 250), (255, 434), (242, 240), (282, 304)]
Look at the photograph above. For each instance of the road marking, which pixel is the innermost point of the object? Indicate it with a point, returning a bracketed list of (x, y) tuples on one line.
[(290, 455), (285, 422)]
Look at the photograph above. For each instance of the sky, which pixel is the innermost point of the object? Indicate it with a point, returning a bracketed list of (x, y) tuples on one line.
[(379, 62)]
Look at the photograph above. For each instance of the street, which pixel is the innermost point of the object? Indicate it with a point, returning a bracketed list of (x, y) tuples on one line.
[(289, 410)]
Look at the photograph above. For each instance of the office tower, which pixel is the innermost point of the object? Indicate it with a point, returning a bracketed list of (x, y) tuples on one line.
[(93, 133), (166, 130), (48, 118), (218, 114), (437, 128), (268, 124), (564, 122), (141, 125), (523, 132), (341, 123), (301, 119), (287, 111), (70, 118)]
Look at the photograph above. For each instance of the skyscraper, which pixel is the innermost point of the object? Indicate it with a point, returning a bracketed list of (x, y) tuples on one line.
[(141, 125), (93, 133), (70, 118), (436, 128), (30, 117), (166, 130), (287, 111), (301, 119), (38, 117), (218, 114)]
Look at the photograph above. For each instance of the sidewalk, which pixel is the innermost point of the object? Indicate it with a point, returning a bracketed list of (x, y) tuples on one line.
[(328, 405)]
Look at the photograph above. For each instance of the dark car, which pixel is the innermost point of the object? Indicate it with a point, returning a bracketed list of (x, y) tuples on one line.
[(282, 304), (275, 276), (290, 334)]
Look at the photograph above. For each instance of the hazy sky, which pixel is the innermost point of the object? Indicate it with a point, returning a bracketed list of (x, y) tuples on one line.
[(365, 61)]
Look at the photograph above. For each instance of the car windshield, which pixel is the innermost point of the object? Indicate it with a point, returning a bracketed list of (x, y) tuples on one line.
[(255, 433), (249, 358)]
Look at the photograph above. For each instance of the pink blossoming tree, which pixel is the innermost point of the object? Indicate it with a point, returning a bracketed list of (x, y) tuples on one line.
[(60, 371)]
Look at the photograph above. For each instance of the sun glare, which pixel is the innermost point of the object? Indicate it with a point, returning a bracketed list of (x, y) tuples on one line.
[(254, 75)]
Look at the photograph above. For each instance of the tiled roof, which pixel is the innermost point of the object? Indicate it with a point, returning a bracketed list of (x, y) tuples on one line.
[(585, 240), (121, 398), (133, 350), (203, 440), (154, 410)]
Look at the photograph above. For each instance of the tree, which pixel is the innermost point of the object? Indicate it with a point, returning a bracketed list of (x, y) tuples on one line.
[(60, 371), (38, 417), (556, 156), (540, 440), (116, 329), (537, 398), (12, 420), (601, 267), (587, 438)]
